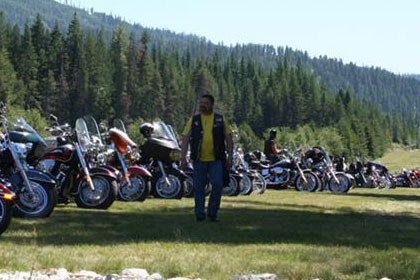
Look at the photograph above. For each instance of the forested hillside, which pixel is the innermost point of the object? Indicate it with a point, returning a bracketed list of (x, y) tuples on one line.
[(74, 72), (392, 93)]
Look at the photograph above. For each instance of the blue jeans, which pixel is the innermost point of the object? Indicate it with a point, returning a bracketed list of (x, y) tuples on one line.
[(204, 170)]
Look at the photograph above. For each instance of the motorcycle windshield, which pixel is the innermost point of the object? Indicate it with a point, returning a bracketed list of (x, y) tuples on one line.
[(93, 129), (119, 124), (83, 136), (163, 131), (21, 125)]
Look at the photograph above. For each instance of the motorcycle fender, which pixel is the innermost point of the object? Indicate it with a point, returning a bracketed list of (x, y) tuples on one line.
[(140, 171), (41, 177), (179, 173), (103, 171)]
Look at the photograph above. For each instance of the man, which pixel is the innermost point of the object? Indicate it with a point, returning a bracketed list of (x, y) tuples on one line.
[(206, 134), (270, 146)]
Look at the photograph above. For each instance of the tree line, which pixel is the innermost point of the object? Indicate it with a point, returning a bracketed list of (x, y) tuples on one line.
[(74, 72)]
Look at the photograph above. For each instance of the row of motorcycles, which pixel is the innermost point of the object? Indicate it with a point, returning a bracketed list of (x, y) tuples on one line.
[(315, 170), (94, 165)]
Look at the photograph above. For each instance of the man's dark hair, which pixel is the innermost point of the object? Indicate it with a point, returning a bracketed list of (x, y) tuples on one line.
[(209, 96)]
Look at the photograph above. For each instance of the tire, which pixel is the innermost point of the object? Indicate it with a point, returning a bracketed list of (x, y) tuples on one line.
[(311, 184), (173, 191), (102, 197), (40, 205), (139, 191), (188, 186), (342, 187), (245, 185), (233, 188), (258, 184), (5, 215)]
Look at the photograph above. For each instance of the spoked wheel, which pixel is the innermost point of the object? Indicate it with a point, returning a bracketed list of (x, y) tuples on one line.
[(342, 185), (233, 188), (188, 186), (138, 191), (168, 189), (258, 184), (36, 204), (308, 185), (101, 197), (245, 185)]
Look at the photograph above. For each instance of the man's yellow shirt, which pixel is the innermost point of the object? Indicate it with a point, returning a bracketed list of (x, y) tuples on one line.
[(207, 146)]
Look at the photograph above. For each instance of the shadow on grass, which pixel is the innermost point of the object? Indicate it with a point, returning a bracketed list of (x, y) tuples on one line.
[(71, 226), (388, 196)]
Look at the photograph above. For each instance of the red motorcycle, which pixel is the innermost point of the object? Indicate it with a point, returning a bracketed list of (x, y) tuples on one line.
[(135, 183), (6, 203), (408, 179)]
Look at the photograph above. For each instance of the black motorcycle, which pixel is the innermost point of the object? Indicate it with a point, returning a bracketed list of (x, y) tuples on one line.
[(160, 154), (286, 172), (319, 161), (35, 189)]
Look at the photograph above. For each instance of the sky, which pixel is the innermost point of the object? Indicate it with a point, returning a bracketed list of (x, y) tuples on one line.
[(382, 33)]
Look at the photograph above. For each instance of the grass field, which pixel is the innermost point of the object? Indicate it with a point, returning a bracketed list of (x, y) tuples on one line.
[(366, 234), (399, 158)]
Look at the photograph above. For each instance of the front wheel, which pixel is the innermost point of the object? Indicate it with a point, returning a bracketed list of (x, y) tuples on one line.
[(5, 215), (138, 191), (168, 189), (308, 183), (188, 186), (101, 197), (233, 188), (245, 185), (341, 185), (37, 204), (259, 184)]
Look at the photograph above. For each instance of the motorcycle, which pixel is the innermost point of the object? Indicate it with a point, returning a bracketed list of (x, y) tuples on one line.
[(34, 189), (159, 154), (252, 180), (7, 201), (135, 183), (408, 179), (379, 176), (359, 173), (287, 171), (323, 167), (89, 187)]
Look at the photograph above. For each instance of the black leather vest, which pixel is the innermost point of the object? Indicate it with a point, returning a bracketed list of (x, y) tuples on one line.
[(196, 137)]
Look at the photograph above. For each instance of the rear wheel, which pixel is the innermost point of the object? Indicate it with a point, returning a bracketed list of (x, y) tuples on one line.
[(5, 215)]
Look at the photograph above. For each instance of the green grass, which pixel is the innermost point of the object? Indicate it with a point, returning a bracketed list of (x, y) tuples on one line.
[(366, 234), (398, 158)]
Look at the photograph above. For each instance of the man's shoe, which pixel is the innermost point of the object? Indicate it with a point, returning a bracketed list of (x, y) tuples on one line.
[(200, 219), (214, 219)]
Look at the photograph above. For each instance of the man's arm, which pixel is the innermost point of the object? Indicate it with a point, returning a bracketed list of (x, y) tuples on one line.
[(184, 149)]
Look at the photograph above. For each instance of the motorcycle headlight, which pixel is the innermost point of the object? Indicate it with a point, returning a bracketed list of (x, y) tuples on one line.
[(175, 155)]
